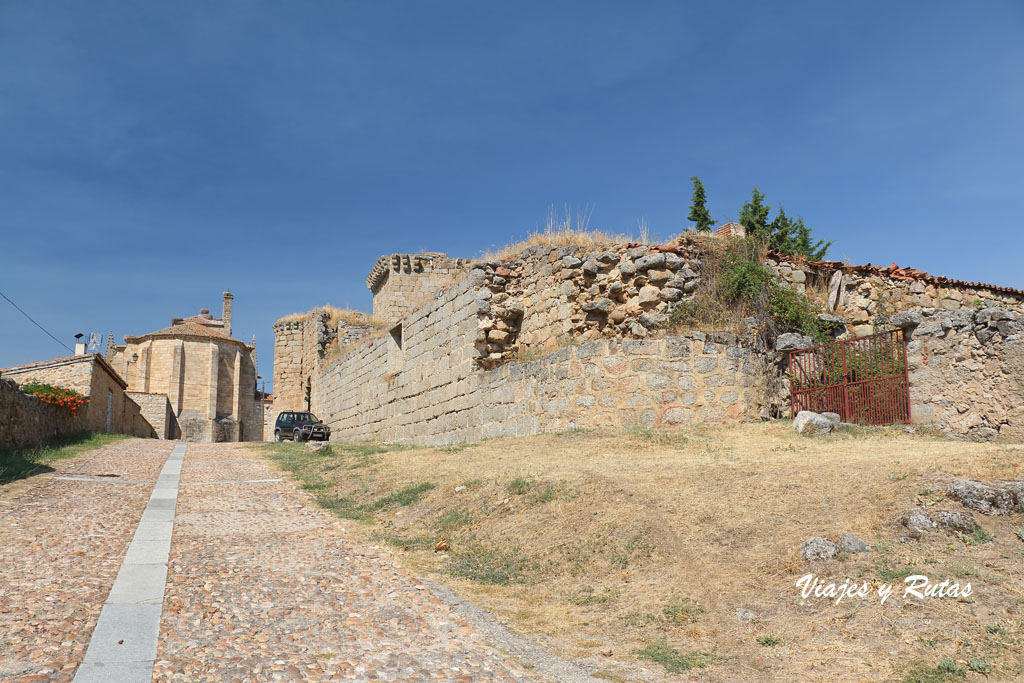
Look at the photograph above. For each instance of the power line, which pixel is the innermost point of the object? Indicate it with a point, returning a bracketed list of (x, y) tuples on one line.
[(37, 324)]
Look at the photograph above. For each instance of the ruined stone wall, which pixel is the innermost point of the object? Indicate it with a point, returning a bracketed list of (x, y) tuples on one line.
[(867, 295), (966, 371)]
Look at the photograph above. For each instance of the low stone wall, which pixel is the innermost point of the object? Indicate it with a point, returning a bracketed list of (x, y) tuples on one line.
[(609, 383), (156, 410), (26, 420)]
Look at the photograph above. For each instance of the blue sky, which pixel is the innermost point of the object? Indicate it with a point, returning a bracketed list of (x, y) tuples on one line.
[(154, 154)]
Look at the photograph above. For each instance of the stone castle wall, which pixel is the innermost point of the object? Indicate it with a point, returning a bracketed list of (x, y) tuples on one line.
[(552, 338), (401, 283)]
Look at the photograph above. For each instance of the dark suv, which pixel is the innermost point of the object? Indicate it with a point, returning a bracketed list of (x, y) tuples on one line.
[(300, 427)]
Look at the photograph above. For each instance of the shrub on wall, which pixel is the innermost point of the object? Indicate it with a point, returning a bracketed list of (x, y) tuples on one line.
[(736, 287), (58, 396)]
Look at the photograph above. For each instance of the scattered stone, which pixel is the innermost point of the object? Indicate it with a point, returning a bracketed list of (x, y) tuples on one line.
[(590, 267), (652, 320), (627, 269), (818, 548), (792, 341), (674, 261), (849, 543), (807, 423), (956, 520), (918, 522), (832, 417), (460, 489), (745, 614), (638, 330), (988, 500), (638, 252), (318, 447)]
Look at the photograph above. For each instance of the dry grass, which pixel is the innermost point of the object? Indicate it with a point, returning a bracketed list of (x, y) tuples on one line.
[(568, 230), (601, 541), (337, 315)]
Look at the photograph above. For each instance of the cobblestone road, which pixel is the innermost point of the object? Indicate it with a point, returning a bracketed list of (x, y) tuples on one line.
[(262, 585)]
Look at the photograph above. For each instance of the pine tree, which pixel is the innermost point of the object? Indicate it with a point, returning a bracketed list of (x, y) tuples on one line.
[(699, 213), (754, 215)]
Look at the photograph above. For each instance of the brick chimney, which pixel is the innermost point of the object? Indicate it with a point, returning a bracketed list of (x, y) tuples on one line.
[(226, 315)]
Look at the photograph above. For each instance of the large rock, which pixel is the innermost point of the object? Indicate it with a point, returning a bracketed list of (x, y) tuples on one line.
[(849, 543), (918, 522), (318, 447), (812, 424), (791, 341), (957, 520), (818, 548), (649, 295), (599, 306), (988, 500), (650, 261), (905, 319)]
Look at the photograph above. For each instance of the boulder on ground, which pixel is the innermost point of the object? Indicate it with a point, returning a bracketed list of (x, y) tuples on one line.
[(318, 447), (918, 522), (818, 548), (849, 543), (988, 500), (807, 423), (956, 520)]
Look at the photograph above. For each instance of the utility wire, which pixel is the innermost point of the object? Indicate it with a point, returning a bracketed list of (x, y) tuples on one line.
[(37, 324)]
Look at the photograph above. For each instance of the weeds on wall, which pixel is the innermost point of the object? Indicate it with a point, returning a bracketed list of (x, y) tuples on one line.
[(737, 292)]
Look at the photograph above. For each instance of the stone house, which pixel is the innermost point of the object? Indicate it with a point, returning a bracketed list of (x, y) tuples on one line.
[(110, 409), (207, 376)]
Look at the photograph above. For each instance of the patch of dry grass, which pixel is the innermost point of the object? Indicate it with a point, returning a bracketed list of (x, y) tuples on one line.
[(568, 230), (601, 540), (337, 315)]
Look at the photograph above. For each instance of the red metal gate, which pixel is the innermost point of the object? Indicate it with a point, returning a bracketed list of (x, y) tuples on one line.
[(863, 380)]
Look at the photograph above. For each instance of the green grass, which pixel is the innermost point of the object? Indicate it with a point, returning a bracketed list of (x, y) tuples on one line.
[(407, 496), (489, 565), (406, 542), (345, 508), (769, 640), (945, 672), (454, 519), (18, 463), (1020, 532), (674, 661), (681, 611), (586, 597), (519, 486), (890, 574)]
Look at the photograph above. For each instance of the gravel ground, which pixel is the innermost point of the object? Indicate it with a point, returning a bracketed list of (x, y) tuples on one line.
[(263, 585), (62, 545)]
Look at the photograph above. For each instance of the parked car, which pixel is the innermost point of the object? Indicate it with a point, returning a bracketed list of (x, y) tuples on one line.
[(300, 427)]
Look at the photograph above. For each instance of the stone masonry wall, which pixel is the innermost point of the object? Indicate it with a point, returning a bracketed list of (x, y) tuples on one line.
[(156, 410), (966, 371), (26, 420), (864, 295), (401, 283)]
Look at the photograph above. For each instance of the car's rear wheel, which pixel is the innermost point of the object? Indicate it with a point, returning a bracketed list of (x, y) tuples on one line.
[(277, 435)]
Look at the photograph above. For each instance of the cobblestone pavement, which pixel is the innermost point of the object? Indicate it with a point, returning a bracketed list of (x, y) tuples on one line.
[(264, 585), (61, 544)]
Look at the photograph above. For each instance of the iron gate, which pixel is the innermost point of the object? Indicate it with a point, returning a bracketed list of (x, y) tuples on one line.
[(864, 380)]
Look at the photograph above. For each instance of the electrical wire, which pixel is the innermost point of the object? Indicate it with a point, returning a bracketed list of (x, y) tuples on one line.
[(36, 324)]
